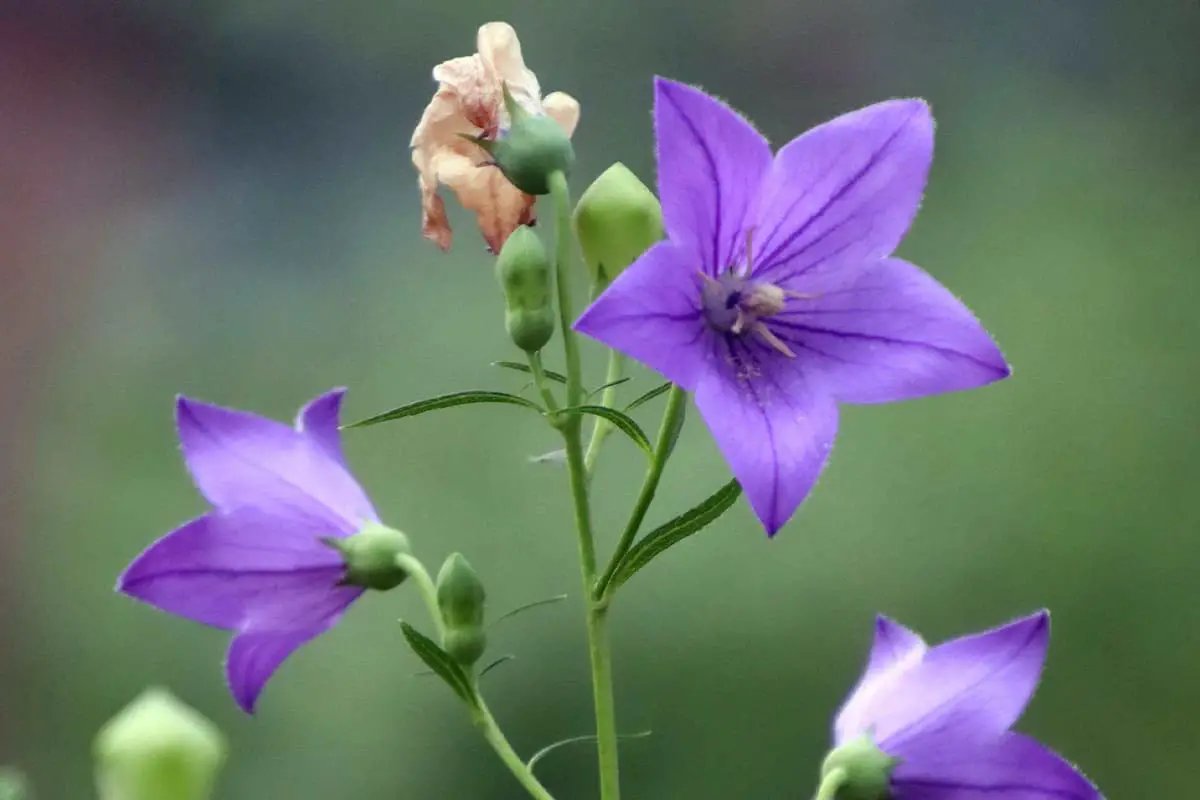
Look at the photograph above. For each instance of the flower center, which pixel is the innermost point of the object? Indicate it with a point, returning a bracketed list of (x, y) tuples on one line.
[(735, 303)]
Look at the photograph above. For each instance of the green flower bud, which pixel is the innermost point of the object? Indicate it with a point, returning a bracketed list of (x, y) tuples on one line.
[(370, 557), (860, 769), (533, 149), (465, 645), (460, 594), (461, 598), (13, 785), (157, 748), (617, 219), (523, 269)]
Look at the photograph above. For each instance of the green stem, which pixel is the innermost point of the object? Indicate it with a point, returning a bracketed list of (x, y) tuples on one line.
[(833, 780), (481, 715), (570, 426), (667, 430), (425, 585), (539, 380), (602, 428)]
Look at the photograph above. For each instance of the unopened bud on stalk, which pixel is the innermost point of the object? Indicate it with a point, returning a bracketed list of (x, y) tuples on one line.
[(523, 269)]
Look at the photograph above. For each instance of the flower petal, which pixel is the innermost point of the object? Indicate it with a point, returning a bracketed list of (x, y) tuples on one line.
[(651, 313), (845, 192), (239, 459), (1012, 766), (320, 421), (975, 684), (563, 109), (773, 424), (711, 162), (894, 333), (895, 649), (217, 568), (500, 50)]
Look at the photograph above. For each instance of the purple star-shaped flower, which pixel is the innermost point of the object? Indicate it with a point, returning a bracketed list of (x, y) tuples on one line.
[(255, 564), (775, 295), (946, 712)]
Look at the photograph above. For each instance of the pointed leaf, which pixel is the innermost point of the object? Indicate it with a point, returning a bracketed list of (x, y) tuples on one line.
[(550, 748), (558, 598), (445, 401), (673, 532), (608, 385), (648, 396), (619, 419), (519, 367), (440, 662), (494, 664)]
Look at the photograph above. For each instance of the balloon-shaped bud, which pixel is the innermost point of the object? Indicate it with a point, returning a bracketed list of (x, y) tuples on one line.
[(532, 149), (370, 557), (857, 770), (461, 598), (617, 219), (523, 269), (157, 748)]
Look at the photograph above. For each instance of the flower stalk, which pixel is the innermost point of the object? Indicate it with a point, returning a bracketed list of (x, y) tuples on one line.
[(599, 653)]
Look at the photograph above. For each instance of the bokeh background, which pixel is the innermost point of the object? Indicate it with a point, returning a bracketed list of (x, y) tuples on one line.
[(215, 198)]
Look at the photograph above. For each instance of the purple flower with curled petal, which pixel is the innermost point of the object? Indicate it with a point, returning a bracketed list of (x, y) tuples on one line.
[(944, 714), (255, 564), (775, 296)]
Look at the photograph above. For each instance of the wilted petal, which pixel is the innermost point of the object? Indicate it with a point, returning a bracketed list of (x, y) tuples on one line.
[(563, 109), (1010, 767), (711, 162), (651, 313), (974, 684), (844, 193), (239, 459), (500, 50), (894, 333), (217, 568), (773, 424)]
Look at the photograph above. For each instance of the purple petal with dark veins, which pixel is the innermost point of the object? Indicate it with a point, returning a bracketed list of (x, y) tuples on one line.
[(240, 459), (711, 162), (975, 684), (773, 423), (1007, 767), (844, 193), (651, 313), (216, 569), (893, 333)]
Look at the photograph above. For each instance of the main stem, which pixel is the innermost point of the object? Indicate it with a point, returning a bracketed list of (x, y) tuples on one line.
[(571, 427)]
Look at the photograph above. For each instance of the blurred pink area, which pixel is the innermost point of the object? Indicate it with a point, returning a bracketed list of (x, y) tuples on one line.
[(82, 139)]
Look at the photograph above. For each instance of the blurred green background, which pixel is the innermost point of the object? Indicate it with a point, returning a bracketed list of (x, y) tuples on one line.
[(215, 198)]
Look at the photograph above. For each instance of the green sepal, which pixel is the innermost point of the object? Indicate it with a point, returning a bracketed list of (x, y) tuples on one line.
[(622, 421), (861, 770), (445, 401), (672, 533), (534, 148), (370, 557), (440, 662)]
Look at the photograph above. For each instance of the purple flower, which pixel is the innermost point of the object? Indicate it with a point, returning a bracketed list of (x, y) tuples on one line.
[(775, 297), (255, 564), (945, 713)]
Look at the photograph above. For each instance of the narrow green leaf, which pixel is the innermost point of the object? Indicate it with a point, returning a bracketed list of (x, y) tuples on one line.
[(519, 367), (550, 748), (673, 532), (648, 396), (619, 419), (558, 598), (494, 664), (445, 401), (608, 385), (440, 662)]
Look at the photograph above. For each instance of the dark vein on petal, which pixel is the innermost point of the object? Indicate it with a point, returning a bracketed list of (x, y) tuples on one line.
[(712, 171)]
